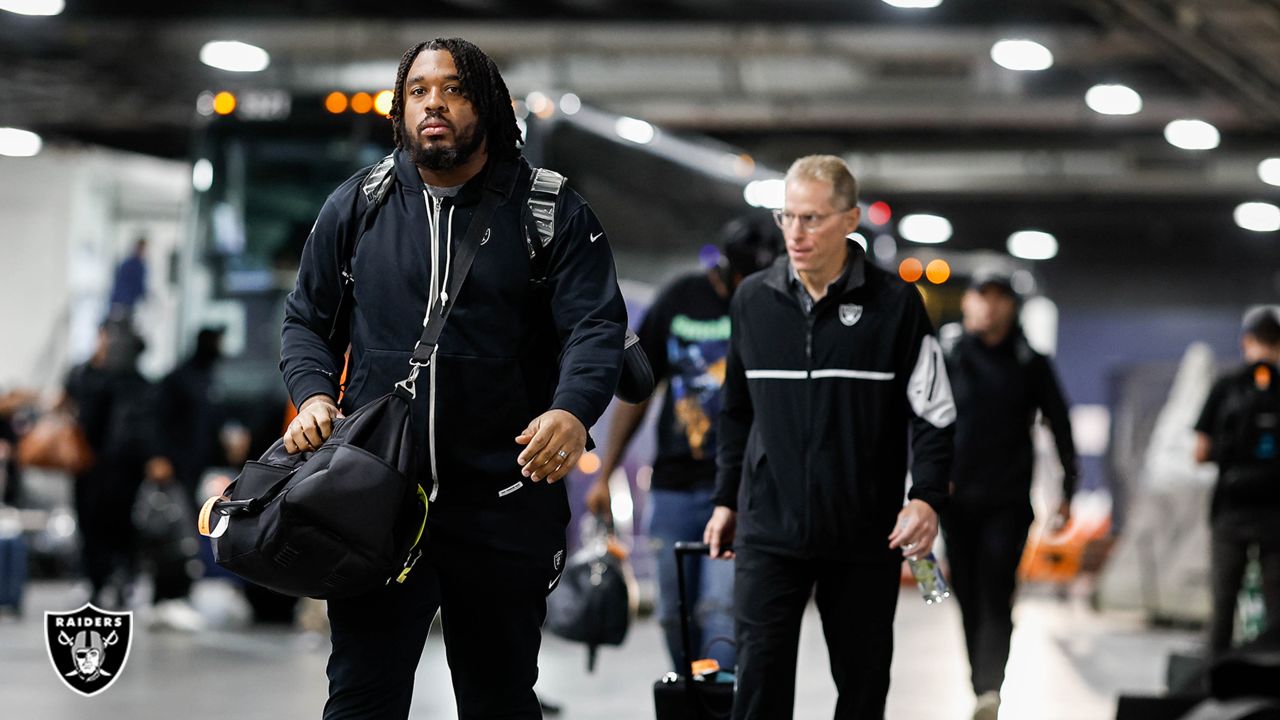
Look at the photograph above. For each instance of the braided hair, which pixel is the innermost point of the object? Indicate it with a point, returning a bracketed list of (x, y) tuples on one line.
[(483, 87)]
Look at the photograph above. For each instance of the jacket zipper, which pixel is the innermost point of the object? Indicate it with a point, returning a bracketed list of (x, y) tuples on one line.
[(431, 387)]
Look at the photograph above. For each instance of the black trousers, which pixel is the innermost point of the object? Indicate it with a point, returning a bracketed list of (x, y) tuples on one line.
[(491, 606), (984, 547), (857, 602), (1230, 543)]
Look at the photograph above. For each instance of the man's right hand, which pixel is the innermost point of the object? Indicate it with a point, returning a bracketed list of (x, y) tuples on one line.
[(313, 425), (599, 501), (719, 531)]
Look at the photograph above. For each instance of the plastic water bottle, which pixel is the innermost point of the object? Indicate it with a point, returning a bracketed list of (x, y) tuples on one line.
[(933, 586)]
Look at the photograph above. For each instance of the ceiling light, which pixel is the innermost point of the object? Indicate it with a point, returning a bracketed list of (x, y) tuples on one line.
[(1033, 245), (914, 4), (234, 56), (19, 143), (570, 104), (1025, 55), (927, 229), (637, 131), (1192, 135), (1113, 100), (769, 194), (33, 7), (382, 102), (1269, 171), (1258, 216)]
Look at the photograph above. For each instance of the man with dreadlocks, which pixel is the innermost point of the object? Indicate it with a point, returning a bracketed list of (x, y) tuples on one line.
[(522, 369)]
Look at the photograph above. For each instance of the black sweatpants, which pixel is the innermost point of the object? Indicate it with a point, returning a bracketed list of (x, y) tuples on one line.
[(1229, 544), (491, 606), (857, 602), (984, 547)]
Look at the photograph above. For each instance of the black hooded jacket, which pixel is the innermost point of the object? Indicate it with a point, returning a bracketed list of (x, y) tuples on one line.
[(503, 358), (999, 390), (819, 410)]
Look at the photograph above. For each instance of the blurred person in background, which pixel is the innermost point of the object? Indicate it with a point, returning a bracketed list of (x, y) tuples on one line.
[(834, 379), (12, 403), (685, 335), (189, 423), (1000, 383), (114, 406), (1239, 429), (502, 409), (129, 286)]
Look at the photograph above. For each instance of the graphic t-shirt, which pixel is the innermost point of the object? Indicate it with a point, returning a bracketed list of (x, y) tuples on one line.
[(686, 337)]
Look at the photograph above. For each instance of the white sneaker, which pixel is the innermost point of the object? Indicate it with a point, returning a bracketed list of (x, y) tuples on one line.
[(988, 706), (176, 615)]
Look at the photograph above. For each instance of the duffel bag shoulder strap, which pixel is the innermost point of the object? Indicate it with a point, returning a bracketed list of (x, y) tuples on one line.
[(438, 309)]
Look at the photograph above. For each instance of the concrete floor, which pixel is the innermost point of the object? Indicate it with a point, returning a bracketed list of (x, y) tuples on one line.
[(1068, 664)]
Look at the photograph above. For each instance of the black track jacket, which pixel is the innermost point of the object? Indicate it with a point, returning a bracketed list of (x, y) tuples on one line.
[(503, 358), (818, 409)]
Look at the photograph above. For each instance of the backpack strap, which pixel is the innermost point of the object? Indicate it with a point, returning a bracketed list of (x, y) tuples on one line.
[(373, 191), (540, 217)]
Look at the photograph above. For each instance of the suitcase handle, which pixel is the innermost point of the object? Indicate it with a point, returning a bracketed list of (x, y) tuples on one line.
[(682, 550), (684, 547)]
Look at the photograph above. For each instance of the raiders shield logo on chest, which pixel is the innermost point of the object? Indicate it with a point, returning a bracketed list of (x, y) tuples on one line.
[(850, 314)]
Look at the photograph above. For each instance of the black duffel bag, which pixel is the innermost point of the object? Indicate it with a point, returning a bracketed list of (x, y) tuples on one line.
[(350, 516), (331, 523)]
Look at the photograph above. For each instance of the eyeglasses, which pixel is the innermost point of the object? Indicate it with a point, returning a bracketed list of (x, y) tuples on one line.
[(809, 222)]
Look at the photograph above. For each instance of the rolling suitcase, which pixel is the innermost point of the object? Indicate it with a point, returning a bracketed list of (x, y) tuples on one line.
[(679, 696)]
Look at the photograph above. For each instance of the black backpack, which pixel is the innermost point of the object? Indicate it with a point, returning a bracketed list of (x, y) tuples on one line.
[(1248, 439)]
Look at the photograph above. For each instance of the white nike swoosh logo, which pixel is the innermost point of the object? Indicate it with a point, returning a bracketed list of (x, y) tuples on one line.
[(596, 237)]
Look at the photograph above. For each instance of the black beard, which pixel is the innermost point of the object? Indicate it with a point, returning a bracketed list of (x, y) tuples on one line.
[(439, 157)]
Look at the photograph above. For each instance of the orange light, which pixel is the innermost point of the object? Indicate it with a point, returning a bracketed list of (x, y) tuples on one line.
[(335, 103), (224, 103), (1262, 377), (382, 102), (910, 270), (361, 102), (589, 463), (938, 271)]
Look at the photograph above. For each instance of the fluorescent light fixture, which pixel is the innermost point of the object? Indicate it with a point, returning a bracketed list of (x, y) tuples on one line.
[(1258, 216), (914, 4), (926, 229), (202, 175), (637, 131), (33, 7), (1033, 245), (570, 104), (1192, 135), (1269, 171), (234, 56), (19, 143), (1113, 100), (1024, 55), (769, 194)]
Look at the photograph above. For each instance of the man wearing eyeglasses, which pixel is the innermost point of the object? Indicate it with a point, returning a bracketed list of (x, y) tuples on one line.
[(833, 368)]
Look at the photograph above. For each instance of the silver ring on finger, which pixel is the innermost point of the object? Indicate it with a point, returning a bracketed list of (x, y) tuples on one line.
[(563, 454), (908, 546)]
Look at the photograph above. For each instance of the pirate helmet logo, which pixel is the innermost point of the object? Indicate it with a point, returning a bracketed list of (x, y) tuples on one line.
[(88, 647), (850, 314)]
